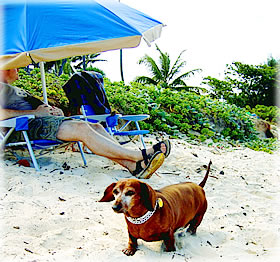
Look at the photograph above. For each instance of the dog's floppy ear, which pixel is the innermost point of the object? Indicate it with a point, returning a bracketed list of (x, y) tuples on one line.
[(146, 196), (108, 194)]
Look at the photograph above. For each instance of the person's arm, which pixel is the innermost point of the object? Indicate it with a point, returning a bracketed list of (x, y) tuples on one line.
[(42, 110)]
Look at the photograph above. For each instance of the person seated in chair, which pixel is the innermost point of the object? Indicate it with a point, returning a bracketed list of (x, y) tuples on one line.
[(50, 123)]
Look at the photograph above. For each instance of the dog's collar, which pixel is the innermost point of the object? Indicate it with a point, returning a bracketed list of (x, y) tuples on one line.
[(147, 216)]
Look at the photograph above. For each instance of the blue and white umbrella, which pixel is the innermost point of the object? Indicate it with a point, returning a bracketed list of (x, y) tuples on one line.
[(49, 30)]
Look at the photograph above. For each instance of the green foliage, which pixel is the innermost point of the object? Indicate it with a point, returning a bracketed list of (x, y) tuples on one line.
[(182, 112), (268, 145), (268, 113), (95, 69), (246, 84), (31, 82), (178, 113), (86, 61), (58, 67), (165, 74), (69, 65)]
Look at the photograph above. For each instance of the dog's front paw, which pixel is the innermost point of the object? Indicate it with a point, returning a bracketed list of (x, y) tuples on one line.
[(129, 251), (169, 245), (170, 249)]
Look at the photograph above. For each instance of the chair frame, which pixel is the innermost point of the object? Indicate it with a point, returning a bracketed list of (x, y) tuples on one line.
[(112, 121), (12, 124)]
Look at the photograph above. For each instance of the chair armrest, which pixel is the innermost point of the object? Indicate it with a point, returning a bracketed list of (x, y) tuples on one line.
[(134, 117), (93, 117), (12, 122), (19, 123)]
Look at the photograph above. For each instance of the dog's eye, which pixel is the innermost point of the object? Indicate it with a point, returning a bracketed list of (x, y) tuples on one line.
[(130, 193), (115, 191)]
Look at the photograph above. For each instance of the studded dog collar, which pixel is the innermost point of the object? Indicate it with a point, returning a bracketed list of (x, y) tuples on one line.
[(147, 216)]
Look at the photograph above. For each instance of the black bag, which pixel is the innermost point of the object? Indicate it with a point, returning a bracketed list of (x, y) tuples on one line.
[(85, 88)]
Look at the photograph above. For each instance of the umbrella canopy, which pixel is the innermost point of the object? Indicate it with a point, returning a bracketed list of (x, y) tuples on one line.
[(49, 30)]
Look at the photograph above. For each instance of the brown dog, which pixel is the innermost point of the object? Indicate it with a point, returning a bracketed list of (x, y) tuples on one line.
[(154, 215)]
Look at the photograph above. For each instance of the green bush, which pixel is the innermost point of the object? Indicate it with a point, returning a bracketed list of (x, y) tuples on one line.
[(267, 145), (31, 82), (246, 84), (174, 112), (182, 112), (268, 113)]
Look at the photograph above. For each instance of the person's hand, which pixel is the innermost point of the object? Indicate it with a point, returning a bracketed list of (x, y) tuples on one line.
[(55, 111), (46, 110)]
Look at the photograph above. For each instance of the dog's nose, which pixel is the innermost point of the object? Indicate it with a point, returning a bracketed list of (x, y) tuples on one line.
[(117, 207)]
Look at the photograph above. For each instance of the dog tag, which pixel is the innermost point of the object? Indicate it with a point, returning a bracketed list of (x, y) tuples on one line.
[(160, 202)]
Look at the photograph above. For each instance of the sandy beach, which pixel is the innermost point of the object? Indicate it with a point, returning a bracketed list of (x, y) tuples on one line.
[(54, 215)]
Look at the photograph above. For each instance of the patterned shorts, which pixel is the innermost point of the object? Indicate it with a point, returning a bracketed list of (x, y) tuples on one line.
[(41, 128)]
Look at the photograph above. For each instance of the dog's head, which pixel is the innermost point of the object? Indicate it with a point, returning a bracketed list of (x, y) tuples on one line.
[(132, 197)]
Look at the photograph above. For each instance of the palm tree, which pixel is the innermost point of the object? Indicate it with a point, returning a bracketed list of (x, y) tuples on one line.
[(86, 61), (164, 74), (59, 66), (69, 65)]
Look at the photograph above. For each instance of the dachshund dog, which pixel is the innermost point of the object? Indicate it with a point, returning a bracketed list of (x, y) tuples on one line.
[(154, 215)]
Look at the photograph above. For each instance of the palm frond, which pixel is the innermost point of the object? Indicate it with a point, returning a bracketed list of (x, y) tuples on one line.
[(179, 58), (165, 64), (163, 73), (178, 82), (177, 66), (175, 70), (152, 65), (179, 79), (146, 80)]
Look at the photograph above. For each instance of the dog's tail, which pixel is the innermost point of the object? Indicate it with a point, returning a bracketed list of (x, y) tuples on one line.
[(203, 182)]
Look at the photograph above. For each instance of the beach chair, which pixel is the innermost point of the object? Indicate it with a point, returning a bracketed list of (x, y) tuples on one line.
[(21, 124), (85, 91)]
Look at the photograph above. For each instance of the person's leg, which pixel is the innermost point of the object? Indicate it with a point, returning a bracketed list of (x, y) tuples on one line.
[(98, 143), (101, 143), (131, 165), (101, 130)]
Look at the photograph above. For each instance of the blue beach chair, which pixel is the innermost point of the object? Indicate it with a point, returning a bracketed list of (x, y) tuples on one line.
[(85, 91), (21, 124)]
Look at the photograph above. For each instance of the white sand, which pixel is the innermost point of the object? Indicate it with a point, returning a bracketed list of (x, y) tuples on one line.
[(241, 223)]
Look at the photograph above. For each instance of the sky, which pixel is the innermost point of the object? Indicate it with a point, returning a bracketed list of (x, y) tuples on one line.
[(213, 33)]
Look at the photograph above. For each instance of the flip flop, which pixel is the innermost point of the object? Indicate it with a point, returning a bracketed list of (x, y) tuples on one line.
[(153, 163), (167, 144)]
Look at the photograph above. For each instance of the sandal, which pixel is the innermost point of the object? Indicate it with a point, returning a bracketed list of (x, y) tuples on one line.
[(152, 162), (157, 147)]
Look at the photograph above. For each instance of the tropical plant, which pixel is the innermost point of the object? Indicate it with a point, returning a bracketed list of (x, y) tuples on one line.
[(181, 112), (95, 69), (268, 113), (58, 67), (165, 74), (247, 84), (70, 65), (31, 82), (86, 61)]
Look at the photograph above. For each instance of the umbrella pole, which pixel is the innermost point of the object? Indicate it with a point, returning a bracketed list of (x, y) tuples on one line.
[(121, 64), (43, 79)]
